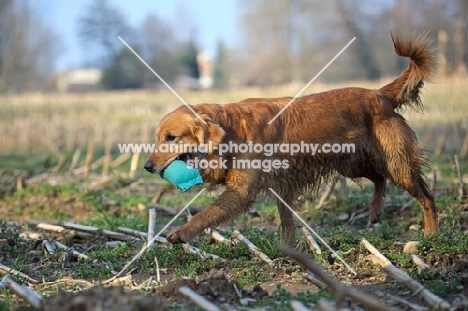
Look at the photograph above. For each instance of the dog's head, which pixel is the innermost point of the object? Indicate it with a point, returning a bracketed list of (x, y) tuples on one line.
[(184, 135)]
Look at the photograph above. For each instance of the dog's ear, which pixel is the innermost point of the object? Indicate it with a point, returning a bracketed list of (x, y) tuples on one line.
[(207, 132)]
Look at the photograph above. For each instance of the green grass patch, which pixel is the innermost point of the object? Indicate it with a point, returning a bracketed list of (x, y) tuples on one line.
[(280, 299), (250, 275), (28, 162)]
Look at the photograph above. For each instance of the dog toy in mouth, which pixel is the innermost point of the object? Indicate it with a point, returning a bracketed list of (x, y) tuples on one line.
[(181, 175)]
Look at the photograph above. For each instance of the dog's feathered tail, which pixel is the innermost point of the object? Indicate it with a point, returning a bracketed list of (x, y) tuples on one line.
[(405, 89)]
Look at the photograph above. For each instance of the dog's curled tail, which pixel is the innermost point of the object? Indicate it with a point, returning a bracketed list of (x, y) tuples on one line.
[(405, 89)]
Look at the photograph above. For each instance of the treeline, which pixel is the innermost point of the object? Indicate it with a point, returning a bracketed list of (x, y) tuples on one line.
[(28, 46), (283, 41), (291, 40)]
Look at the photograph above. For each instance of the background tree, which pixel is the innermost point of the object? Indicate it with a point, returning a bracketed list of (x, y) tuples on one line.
[(222, 67), (187, 57), (268, 36), (99, 27), (124, 72), (351, 16), (157, 42), (27, 48)]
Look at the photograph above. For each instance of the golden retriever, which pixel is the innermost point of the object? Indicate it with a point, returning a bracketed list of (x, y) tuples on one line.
[(385, 145)]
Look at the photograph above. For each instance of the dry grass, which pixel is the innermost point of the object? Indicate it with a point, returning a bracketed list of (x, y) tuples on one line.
[(39, 122)]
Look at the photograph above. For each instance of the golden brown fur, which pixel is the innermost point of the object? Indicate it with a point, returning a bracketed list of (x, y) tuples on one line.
[(386, 147)]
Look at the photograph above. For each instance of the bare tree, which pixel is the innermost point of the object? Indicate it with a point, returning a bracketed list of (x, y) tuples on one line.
[(268, 33), (157, 47), (27, 47), (362, 49), (222, 67), (99, 26)]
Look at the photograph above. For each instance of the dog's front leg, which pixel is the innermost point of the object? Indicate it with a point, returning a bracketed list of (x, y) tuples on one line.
[(238, 198)]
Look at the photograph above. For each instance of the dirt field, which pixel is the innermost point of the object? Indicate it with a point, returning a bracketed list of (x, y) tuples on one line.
[(73, 283)]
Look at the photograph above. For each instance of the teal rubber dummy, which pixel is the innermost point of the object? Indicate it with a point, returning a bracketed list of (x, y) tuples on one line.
[(182, 175)]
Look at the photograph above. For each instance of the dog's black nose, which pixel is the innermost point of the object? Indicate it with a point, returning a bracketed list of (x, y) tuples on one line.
[(149, 166)]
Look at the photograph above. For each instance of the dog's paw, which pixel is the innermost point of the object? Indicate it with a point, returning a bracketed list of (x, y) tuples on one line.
[(374, 213), (179, 235)]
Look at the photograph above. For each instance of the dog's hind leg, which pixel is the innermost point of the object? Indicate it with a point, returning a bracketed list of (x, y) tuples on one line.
[(403, 162), (288, 228), (407, 174), (359, 169)]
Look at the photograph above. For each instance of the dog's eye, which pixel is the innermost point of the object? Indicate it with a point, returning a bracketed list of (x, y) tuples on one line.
[(170, 137)]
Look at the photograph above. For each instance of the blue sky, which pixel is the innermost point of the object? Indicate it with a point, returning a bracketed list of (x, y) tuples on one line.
[(212, 20)]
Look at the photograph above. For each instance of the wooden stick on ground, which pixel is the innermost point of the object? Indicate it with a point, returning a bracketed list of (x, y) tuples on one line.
[(97, 163), (327, 193), (419, 262), (252, 248), (107, 158), (95, 230), (215, 235), (121, 159), (151, 227), (198, 299), (60, 164), (432, 300), (461, 192), (49, 247), (157, 197), (151, 208), (66, 248), (464, 148), (20, 183), (28, 235), (149, 282), (326, 305), (75, 159), (196, 251), (18, 273), (158, 275), (22, 291), (309, 276), (310, 240), (338, 289), (51, 228), (89, 158), (134, 165), (126, 280), (405, 302), (296, 305), (142, 235)]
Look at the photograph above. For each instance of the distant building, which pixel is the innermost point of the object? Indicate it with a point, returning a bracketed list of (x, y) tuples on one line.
[(204, 81), (79, 80), (205, 67)]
